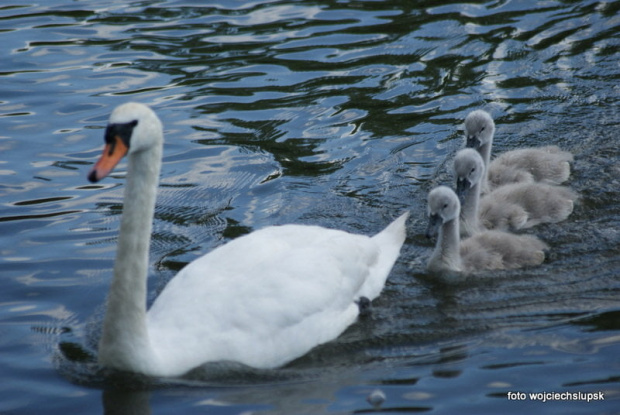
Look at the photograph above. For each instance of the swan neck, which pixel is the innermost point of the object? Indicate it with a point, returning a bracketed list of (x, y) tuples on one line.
[(469, 209), (485, 152), (137, 219), (447, 255), (450, 238), (124, 331)]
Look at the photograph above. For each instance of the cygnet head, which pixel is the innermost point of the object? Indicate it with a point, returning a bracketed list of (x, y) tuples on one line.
[(132, 128), (469, 170), (479, 129), (443, 206)]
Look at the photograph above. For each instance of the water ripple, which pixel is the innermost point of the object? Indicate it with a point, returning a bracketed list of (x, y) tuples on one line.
[(342, 114)]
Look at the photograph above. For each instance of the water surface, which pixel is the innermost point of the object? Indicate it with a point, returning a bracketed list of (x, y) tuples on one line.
[(338, 113)]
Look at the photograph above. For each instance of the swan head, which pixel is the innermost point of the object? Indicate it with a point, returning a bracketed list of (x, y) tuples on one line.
[(132, 128), (479, 129), (469, 170), (443, 206)]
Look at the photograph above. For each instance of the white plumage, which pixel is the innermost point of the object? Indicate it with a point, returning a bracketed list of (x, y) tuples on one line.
[(263, 299), (548, 164), (484, 251), (510, 207)]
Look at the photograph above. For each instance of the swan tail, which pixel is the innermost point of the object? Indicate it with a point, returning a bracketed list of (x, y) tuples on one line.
[(530, 253), (389, 242), (394, 233)]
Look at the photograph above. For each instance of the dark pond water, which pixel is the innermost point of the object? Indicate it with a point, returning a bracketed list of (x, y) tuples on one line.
[(338, 113)]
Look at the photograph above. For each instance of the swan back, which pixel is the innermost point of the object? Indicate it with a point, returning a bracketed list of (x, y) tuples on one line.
[(500, 250), (500, 174), (548, 164), (524, 205), (268, 297)]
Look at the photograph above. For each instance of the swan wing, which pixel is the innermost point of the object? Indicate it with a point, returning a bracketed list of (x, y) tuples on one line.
[(501, 250), (263, 299), (546, 164)]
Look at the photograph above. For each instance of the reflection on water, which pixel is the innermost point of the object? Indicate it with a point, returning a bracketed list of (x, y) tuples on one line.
[(341, 114)]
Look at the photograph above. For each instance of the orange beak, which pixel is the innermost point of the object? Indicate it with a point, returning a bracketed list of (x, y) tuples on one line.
[(112, 154)]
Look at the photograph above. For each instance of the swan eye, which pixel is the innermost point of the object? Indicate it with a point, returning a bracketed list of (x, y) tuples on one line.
[(482, 129), (124, 131)]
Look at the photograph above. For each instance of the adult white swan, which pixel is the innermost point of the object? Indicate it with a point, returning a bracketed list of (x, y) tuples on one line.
[(262, 300)]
